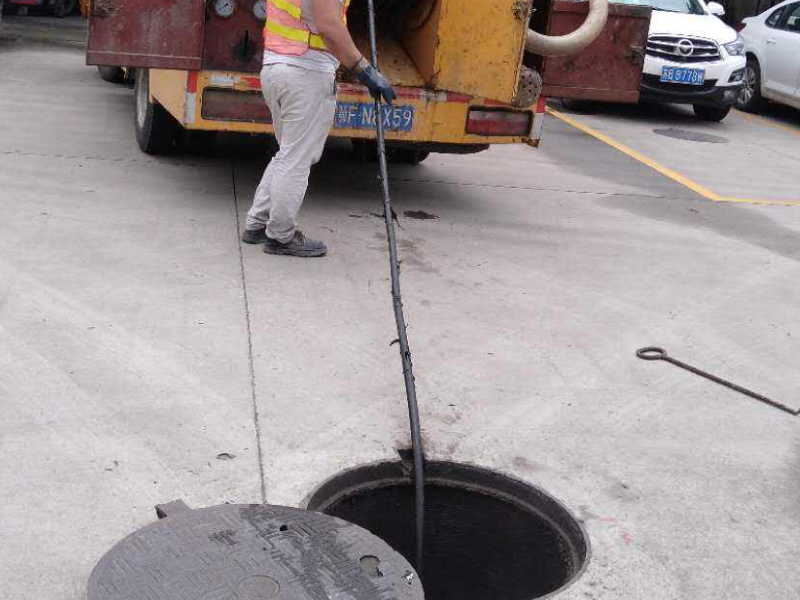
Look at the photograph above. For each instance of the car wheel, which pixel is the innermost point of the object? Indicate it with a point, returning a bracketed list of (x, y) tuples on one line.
[(156, 129), (749, 97), (711, 113), (63, 8), (578, 106), (111, 74)]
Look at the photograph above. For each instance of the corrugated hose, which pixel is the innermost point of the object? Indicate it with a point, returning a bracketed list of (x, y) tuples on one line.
[(397, 304)]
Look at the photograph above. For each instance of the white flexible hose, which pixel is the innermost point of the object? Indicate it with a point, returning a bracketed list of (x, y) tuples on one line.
[(571, 43)]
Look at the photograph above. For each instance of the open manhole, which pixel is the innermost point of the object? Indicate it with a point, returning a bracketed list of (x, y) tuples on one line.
[(487, 536), (691, 136)]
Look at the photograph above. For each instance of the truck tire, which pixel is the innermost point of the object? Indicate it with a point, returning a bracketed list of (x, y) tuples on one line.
[(111, 74), (406, 156), (64, 8), (579, 106), (711, 113), (749, 98), (365, 151), (156, 129)]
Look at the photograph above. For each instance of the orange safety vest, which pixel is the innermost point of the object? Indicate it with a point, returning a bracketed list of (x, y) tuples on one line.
[(287, 33)]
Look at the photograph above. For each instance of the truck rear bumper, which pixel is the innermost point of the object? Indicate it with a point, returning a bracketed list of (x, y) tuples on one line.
[(230, 101)]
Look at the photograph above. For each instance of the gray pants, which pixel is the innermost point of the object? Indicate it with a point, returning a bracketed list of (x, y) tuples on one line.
[(302, 103)]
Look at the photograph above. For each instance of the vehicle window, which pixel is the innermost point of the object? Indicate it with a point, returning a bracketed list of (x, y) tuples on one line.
[(792, 20), (775, 17), (690, 7)]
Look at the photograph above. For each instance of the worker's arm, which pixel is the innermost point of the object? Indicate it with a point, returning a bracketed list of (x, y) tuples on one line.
[(328, 19)]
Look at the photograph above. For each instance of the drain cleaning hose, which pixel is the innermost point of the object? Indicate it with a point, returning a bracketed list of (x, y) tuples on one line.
[(574, 42), (397, 303)]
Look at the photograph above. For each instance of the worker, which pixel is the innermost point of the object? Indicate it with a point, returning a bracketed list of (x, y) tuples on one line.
[(304, 43)]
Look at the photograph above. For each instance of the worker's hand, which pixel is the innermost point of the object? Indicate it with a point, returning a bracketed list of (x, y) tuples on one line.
[(374, 80)]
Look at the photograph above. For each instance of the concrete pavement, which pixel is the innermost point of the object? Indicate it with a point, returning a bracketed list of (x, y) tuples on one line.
[(69, 31), (744, 158), (125, 342)]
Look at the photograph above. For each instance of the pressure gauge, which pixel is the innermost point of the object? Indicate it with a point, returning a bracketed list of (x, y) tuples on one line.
[(224, 8), (260, 10)]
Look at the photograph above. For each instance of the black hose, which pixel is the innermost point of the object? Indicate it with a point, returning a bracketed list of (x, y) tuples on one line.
[(393, 17), (397, 303)]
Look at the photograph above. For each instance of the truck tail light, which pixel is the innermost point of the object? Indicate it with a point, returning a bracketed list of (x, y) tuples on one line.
[(493, 121)]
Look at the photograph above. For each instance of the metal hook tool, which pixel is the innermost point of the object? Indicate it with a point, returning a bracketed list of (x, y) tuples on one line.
[(656, 353)]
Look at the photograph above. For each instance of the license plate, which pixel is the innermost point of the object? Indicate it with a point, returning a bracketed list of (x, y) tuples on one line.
[(683, 75), (358, 115)]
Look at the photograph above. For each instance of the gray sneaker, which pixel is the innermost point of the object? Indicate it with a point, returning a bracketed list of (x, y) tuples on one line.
[(254, 236), (299, 245)]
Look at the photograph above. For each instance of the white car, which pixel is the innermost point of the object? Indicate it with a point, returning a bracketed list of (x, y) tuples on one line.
[(772, 44), (692, 57)]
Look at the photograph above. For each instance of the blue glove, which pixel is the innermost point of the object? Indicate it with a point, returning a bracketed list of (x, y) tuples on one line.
[(372, 78)]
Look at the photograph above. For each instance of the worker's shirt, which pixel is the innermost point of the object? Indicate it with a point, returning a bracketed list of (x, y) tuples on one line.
[(314, 60)]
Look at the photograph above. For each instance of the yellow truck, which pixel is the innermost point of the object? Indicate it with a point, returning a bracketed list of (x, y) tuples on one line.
[(469, 73)]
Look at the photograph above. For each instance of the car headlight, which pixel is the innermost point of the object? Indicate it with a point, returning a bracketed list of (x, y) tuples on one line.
[(736, 47)]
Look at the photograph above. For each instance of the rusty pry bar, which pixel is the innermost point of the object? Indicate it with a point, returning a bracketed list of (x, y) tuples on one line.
[(656, 353)]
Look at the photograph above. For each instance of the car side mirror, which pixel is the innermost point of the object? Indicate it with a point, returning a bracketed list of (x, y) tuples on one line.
[(716, 9)]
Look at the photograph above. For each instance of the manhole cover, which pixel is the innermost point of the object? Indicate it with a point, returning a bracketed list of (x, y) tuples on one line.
[(487, 536), (691, 136), (252, 552)]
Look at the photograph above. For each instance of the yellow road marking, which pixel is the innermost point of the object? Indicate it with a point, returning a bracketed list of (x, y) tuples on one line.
[(768, 122), (666, 171)]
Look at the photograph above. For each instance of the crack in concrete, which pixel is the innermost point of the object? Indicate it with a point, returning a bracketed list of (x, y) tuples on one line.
[(173, 160), (501, 186), (74, 156), (251, 364)]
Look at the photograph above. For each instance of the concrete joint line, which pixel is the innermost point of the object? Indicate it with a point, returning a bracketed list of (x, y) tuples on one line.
[(249, 328), (76, 156)]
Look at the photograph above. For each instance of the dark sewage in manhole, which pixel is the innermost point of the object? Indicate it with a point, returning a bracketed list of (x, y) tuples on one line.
[(487, 536)]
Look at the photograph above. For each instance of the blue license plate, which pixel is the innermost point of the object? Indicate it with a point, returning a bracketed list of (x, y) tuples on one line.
[(358, 115), (683, 75)]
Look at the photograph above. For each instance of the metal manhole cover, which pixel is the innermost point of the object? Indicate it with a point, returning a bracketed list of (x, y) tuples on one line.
[(691, 136), (251, 552)]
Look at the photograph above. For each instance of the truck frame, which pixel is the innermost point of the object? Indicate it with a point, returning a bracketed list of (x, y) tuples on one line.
[(463, 78)]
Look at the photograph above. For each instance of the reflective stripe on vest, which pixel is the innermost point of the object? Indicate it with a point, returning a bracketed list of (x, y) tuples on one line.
[(287, 33), (286, 6)]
